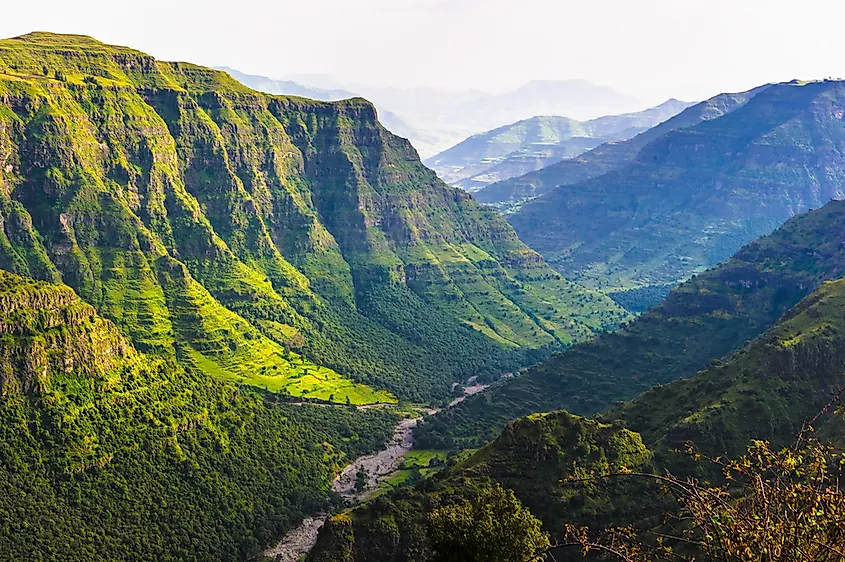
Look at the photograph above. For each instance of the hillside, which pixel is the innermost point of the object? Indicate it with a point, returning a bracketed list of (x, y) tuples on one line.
[(702, 320), (285, 243), (531, 456), (531, 144), (766, 390), (509, 194), (111, 454), (694, 196)]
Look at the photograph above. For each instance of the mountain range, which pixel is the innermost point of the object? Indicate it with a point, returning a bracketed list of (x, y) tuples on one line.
[(509, 194), (694, 195), (213, 299), (436, 119), (205, 254), (531, 144), (787, 372)]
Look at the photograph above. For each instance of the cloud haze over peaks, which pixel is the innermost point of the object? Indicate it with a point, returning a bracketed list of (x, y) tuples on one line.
[(652, 49)]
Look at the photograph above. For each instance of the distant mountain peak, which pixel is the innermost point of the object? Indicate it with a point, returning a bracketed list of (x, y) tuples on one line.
[(530, 144)]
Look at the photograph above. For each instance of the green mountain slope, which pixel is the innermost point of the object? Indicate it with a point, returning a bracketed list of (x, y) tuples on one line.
[(531, 456), (281, 242), (695, 195), (111, 454), (507, 195), (701, 320), (766, 390), (531, 144)]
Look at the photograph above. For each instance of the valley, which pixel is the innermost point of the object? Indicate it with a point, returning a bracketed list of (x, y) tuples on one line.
[(242, 318), (379, 466), (375, 470)]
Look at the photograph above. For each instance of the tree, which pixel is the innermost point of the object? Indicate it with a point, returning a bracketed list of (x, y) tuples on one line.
[(775, 505), (360, 480), (495, 527)]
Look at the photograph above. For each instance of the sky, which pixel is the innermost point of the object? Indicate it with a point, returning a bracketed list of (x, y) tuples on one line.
[(651, 49)]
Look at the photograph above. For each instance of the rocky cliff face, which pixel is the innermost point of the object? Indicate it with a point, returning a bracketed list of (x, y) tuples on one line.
[(45, 331), (190, 209)]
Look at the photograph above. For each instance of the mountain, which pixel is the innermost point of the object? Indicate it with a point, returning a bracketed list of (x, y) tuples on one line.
[(767, 389), (695, 195), (531, 144), (441, 118), (531, 457), (288, 244), (107, 453), (578, 99), (289, 88), (610, 156), (702, 320)]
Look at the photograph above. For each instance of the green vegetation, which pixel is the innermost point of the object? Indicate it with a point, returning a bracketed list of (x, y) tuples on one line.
[(532, 458), (238, 251), (508, 195), (693, 196), (108, 453), (576, 474), (287, 244), (495, 526), (419, 458), (702, 320), (531, 144), (775, 505)]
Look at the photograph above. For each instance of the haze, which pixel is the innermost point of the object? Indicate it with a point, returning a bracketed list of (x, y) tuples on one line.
[(651, 49)]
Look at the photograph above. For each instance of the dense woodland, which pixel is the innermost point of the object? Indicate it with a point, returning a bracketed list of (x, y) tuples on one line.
[(110, 453), (213, 299)]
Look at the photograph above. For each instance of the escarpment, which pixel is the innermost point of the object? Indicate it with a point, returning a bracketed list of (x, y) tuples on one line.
[(159, 190)]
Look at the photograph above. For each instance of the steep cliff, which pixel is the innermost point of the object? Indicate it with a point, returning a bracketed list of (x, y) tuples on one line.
[(209, 222)]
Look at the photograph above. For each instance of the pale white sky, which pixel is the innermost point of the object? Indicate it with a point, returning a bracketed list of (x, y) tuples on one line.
[(652, 49)]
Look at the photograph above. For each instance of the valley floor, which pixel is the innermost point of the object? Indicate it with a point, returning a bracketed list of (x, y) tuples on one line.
[(380, 469)]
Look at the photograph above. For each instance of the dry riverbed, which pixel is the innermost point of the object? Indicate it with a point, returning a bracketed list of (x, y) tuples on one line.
[(377, 467)]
